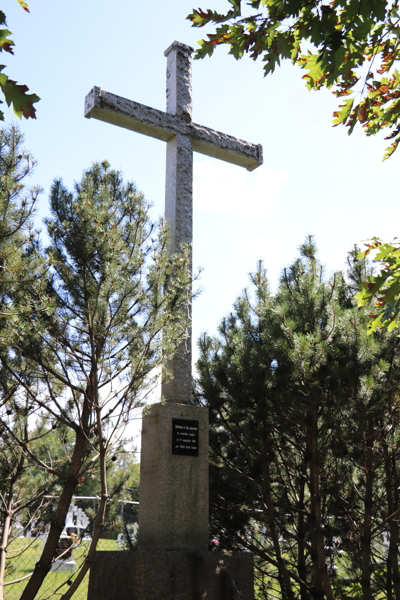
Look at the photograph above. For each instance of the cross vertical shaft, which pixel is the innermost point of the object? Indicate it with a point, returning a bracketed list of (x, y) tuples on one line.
[(179, 202), (183, 137), (174, 485)]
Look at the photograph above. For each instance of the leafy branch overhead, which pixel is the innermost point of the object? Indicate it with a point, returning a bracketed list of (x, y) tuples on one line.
[(14, 94), (349, 46), (383, 289)]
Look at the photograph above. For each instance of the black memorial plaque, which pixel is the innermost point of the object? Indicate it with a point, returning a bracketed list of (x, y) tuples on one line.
[(185, 437)]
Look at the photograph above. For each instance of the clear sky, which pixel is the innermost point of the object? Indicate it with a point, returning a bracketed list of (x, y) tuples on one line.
[(315, 179)]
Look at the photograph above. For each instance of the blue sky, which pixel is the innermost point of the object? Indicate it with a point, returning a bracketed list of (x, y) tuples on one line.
[(315, 179)]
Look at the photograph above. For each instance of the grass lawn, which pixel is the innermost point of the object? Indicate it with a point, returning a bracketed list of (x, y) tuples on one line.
[(23, 564), (23, 554)]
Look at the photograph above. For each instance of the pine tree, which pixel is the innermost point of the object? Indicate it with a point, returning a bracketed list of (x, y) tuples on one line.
[(93, 358), (21, 264), (22, 278), (299, 396)]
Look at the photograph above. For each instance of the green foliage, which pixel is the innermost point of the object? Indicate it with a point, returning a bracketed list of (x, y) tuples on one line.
[(112, 278), (354, 51), (22, 283), (79, 362), (304, 441), (14, 93), (383, 289), (349, 46), (22, 269)]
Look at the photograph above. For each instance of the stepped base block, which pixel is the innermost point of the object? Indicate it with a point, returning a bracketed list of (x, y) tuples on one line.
[(171, 575)]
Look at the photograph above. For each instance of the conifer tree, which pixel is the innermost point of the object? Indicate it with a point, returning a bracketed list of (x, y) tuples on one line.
[(22, 280), (303, 413), (91, 360), (21, 265)]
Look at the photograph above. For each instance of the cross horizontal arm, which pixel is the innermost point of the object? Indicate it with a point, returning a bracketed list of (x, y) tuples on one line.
[(226, 147), (130, 115), (164, 126)]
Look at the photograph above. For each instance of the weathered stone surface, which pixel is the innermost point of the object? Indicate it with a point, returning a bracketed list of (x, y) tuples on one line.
[(128, 114), (226, 147), (173, 512), (179, 80), (171, 575), (175, 127), (179, 215)]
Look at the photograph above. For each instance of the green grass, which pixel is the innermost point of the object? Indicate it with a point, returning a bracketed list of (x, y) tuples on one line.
[(23, 563)]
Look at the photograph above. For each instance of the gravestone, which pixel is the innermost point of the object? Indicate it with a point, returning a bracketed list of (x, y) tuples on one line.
[(63, 561), (172, 561), (76, 521), (76, 517)]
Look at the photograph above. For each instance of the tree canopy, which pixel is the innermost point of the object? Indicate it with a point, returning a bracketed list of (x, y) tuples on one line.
[(14, 93), (83, 360), (349, 46), (304, 445), (383, 290)]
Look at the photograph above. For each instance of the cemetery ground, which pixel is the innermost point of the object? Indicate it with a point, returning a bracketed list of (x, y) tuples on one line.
[(306, 406), (267, 587), (56, 583)]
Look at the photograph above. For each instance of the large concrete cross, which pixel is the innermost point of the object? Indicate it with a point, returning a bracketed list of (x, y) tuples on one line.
[(183, 137)]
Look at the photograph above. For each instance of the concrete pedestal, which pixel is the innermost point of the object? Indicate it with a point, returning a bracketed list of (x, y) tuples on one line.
[(171, 575), (173, 512)]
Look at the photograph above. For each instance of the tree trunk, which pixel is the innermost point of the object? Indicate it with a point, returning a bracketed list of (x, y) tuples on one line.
[(8, 515), (396, 570), (4, 540), (284, 578), (366, 536), (321, 579), (99, 521), (392, 501), (43, 566), (390, 505), (301, 531)]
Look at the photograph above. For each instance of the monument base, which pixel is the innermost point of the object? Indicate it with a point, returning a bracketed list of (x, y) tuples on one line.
[(173, 512), (171, 575)]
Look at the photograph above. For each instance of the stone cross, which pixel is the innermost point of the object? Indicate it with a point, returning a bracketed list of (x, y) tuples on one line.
[(183, 137), (172, 558)]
